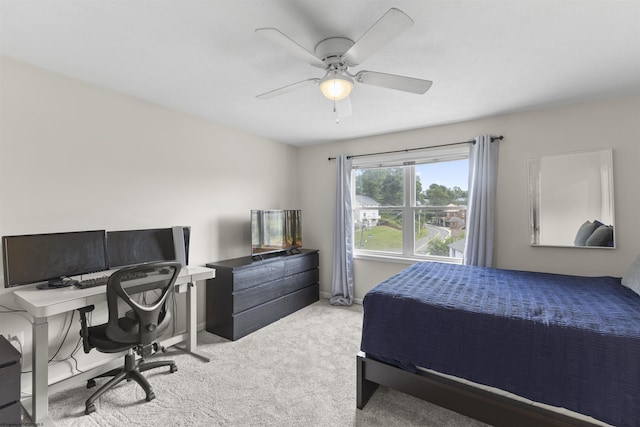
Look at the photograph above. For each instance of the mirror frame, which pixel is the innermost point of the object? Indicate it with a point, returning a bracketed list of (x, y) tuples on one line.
[(534, 190)]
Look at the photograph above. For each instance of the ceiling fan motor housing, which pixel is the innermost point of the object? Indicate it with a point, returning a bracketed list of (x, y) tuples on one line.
[(330, 51)]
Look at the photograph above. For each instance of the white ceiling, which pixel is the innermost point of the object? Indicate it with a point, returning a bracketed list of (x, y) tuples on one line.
[(485, 57)]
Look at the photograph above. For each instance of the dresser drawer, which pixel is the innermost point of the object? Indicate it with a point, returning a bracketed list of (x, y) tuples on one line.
[(9, 384), (300, 280), (248, 277), (299, 264), (253, 319), (9, 375), (301, 298), (10, 415), (257, 295)]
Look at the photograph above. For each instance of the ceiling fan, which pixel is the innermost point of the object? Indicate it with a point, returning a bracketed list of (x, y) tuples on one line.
[(336, 54)]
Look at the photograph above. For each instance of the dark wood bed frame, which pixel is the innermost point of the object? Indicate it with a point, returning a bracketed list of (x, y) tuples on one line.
[(473, 402)]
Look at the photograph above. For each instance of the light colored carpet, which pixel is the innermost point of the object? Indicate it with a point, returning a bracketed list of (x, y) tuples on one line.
[(299, 371)]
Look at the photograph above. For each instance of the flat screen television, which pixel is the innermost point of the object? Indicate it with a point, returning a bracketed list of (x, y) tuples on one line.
[(275, 231), (130, 247), (51, 257)]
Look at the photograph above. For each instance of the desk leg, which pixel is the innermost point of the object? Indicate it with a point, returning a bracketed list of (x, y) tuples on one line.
[(40, 374), (192, 323)]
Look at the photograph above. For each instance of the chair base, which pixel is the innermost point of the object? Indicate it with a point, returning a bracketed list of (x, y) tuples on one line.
[(132, 370)]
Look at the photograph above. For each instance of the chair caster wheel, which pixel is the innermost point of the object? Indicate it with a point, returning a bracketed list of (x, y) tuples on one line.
[(91, 383), (150, 397), (90, 409), (173, 368)]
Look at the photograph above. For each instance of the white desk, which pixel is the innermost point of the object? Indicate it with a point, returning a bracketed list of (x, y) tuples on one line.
[(42, 304)]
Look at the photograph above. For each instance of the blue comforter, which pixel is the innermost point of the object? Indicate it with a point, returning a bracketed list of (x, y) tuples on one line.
[(567, 341)]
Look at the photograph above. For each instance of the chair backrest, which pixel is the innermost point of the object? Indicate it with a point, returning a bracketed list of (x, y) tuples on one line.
[(144, 289)]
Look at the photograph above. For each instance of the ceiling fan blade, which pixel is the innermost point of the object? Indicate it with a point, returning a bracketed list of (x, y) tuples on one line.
[(288, 88), (343, 107), (391, 25), (283, 40), (392, 81)]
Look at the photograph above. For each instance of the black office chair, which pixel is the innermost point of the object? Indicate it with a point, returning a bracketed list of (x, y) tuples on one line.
[(133, 327)]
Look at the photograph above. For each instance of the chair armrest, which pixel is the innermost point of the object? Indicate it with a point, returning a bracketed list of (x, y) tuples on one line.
[(84, 327)]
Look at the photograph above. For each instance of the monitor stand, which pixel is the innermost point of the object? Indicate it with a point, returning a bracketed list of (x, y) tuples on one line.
[(56, 283)]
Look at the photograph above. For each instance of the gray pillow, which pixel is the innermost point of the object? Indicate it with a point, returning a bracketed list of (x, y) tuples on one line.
[(602, 236), (631, 278), (584, 232)]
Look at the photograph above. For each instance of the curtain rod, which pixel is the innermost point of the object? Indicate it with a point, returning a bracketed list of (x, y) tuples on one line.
[(493, 138)]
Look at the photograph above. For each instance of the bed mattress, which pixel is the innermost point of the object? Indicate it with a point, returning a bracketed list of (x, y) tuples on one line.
[(565, 341)]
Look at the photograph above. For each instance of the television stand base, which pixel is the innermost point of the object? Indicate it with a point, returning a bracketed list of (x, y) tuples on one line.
[(248, 294)]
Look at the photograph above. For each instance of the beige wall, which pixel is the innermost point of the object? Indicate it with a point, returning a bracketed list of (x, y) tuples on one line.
[(611, 123)]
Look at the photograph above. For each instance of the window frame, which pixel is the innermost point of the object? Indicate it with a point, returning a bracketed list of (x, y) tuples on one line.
[(407, 160)]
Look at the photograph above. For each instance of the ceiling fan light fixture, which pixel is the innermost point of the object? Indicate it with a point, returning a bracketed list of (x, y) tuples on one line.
[(336, 86)]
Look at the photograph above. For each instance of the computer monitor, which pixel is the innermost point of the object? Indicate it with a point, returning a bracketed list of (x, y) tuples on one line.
[(49, 258), (132, 247)]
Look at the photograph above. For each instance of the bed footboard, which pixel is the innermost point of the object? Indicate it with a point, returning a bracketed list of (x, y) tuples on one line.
[(365, 388), (471, 401)]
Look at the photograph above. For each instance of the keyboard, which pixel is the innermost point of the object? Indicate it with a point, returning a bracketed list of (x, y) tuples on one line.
[(90, 283), (133, 275), (102, 280)]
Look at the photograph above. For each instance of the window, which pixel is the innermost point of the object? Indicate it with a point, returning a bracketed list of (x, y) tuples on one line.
[(411, 205)]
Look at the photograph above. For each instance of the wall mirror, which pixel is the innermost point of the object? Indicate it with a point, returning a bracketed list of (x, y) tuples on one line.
[(571, 199)]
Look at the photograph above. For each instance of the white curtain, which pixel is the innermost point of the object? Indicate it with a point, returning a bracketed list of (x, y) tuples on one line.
[(342, 281), (483, 173)]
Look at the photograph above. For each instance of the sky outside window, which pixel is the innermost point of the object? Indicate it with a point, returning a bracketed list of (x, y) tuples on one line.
[(450, 174)]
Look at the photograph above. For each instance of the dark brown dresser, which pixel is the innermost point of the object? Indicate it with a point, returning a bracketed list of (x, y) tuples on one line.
[(248, 294), (9, 383)]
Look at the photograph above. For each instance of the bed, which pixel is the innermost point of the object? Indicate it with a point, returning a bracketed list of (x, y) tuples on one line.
[(563, 341)]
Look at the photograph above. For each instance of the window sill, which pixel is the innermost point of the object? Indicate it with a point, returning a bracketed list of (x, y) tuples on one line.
[(402, 259)]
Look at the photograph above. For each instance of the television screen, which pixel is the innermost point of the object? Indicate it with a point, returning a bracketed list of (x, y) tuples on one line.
[(132, 247), (275, 231), (50, 257)]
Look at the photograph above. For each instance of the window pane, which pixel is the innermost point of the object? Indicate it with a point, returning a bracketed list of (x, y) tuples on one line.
[(441, 191), (442, 183), (380, 186), (440, 232), (378, 229)]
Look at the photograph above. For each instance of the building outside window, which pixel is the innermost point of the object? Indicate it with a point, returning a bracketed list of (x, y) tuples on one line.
[(411, 206)]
